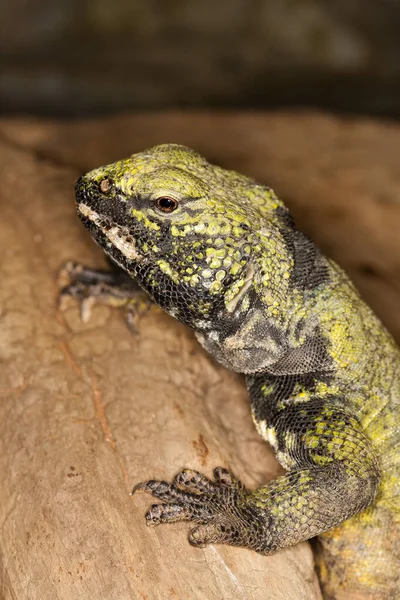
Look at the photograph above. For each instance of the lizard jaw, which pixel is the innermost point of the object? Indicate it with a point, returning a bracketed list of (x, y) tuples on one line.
[(118, 236)]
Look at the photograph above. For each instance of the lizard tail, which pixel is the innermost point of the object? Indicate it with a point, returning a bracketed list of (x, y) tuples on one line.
[(356, 561)]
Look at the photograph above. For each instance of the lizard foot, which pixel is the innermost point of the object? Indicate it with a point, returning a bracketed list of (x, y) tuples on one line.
[(97, 286), (222, 509)]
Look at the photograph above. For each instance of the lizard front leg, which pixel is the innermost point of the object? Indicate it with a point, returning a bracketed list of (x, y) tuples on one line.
[(332, 474)]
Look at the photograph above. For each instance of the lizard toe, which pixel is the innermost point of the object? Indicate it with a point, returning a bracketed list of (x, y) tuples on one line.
[(224, 477), (214, 533), (165, 513), (193, 481)]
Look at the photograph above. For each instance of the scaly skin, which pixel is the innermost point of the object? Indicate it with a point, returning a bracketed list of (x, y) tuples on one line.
[(220, 253)]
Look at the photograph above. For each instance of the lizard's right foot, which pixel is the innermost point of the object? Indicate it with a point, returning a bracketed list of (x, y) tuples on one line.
[(99, 286)]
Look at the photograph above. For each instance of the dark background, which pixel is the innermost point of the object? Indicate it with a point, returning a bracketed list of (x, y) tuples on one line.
[(82, 57)]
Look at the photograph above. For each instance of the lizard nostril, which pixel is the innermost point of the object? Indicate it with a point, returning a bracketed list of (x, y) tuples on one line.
[(105, 186)]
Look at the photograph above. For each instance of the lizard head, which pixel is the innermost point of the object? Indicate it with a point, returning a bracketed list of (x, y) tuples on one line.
[(183, 228)]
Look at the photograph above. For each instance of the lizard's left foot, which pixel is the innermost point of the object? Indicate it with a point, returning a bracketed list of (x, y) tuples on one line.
[(222, 509)]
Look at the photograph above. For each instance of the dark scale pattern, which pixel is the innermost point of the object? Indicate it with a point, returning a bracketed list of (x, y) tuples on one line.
[(323, 374), (311, 268), (273, 392)]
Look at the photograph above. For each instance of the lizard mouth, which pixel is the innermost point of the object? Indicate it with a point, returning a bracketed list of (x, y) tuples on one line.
[(109, 234)]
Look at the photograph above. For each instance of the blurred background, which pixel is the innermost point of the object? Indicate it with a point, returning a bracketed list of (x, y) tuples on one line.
[(82, 57)]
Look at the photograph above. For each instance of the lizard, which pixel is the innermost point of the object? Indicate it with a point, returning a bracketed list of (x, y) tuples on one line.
[(221, 253)]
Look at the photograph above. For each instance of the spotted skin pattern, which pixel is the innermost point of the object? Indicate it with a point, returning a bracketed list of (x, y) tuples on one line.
[(220, 252)]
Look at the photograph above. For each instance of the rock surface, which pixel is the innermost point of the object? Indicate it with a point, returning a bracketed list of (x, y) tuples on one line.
[(88, 410)]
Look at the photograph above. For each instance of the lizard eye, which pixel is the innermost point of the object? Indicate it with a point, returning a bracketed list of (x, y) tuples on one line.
[(105, 185), (166, 204)]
